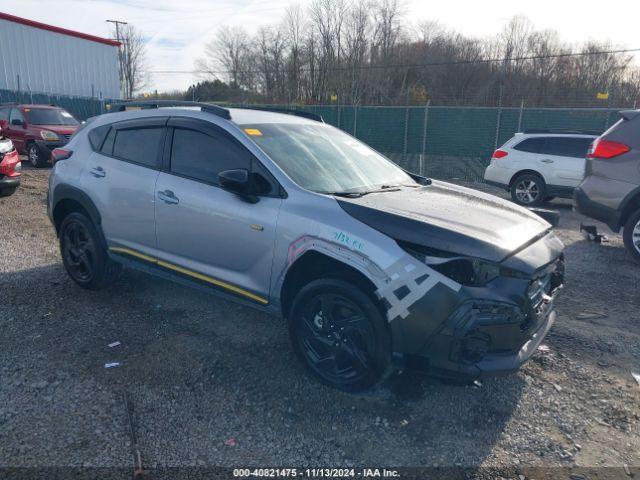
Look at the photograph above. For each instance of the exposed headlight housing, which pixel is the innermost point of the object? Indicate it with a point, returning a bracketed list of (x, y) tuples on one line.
[(49, 135), (468, 271)]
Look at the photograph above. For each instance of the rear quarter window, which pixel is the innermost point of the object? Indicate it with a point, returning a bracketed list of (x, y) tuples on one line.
[(530, 145), (97, 136)]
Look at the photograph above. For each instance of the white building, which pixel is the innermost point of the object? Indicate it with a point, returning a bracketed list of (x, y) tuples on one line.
[(40, 58)]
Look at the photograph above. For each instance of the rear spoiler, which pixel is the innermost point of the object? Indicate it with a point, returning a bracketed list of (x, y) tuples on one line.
[(629, 114)]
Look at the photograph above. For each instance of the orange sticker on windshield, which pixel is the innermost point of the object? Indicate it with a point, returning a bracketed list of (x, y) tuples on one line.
[(253, 131)]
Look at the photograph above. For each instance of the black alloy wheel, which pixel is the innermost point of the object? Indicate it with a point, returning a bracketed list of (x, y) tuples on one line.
[(84, 253), (78, 251), (341, 336)]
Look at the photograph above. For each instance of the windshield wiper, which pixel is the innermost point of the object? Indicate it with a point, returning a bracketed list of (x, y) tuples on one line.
[(344, 194), (383, 188)]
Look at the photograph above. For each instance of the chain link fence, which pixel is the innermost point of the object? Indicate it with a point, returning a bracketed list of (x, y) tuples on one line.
[(80, 107), (453, 143), (444, 142)]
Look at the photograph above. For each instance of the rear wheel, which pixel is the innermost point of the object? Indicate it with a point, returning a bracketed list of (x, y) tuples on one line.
[(528, 189), (340, 335), (37, 158), (631, 235), (84, 255), (5, 192)]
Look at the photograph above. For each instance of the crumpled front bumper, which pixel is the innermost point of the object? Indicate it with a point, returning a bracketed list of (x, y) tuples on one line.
[(483, 331)]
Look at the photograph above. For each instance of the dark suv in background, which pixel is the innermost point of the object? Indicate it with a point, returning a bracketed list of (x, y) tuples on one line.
[(610, 191), (37, 129)]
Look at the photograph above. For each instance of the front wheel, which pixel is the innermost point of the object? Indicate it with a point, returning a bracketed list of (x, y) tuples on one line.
[(84, 255), (340, 334), (36, 157), (528, 189), (631, 235)]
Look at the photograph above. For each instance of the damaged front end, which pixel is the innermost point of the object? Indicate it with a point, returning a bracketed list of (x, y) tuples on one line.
[(474, 294), (497, 319)]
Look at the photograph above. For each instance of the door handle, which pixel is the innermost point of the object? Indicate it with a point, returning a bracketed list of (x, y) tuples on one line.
[(98, 172), (168, 197), (547, 160)]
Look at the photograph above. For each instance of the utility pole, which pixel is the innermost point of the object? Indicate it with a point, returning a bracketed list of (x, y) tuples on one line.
[(123, 88)]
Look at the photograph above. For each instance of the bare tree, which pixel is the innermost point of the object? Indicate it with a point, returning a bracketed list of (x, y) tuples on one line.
[(133, 51), (294, 28), (227, 57), (366, 52)]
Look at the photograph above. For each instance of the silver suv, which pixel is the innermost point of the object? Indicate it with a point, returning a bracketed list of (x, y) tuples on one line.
[(610, 191), (373, 267)]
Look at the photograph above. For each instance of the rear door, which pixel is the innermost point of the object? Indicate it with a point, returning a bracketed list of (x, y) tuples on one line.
[(564, 157), (205, 232), (121, 177)]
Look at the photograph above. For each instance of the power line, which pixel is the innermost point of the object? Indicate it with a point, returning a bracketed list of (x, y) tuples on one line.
[(202, 14), (417, 65)]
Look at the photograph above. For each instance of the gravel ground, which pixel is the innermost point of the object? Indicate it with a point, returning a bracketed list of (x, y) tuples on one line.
[(200, 371)]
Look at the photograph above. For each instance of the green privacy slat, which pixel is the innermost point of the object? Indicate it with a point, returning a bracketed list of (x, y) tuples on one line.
[(81, 108), (457, 143)]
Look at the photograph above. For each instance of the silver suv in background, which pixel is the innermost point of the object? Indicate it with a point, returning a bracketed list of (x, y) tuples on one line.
[(372, 267), (610, 191)]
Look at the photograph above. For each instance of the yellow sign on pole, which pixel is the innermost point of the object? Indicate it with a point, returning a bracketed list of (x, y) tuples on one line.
[(602, 96), (334, 97)]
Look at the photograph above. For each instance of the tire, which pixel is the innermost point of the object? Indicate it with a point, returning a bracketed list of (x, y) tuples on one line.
[(348, 349), (528, 189), (631, 235), (6, 192), (84, 253), (36, 156)]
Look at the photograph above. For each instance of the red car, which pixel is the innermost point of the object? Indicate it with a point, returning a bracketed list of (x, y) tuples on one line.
[(37, 129), (9, 167)]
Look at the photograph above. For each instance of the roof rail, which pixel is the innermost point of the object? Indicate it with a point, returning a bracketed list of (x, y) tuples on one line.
[(562, 131), (297, 113), (149, 104)]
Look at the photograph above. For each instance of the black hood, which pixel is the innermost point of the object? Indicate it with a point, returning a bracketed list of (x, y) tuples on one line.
[(450, 218)]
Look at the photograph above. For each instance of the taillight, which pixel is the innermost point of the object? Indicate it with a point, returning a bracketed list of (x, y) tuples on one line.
[(10, 164), (601, 148), (499, 154), (60, 154)]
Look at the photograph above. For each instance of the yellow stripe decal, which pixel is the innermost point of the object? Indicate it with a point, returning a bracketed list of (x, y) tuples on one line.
[(190, 273), (133, 253)]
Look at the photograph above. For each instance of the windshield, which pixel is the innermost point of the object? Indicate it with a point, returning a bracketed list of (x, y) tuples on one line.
[(49, 116), (324, 159)]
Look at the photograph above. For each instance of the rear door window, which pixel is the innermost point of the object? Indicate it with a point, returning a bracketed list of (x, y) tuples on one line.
[(567, 146), (530, 145), (138, 145), (202, 156)]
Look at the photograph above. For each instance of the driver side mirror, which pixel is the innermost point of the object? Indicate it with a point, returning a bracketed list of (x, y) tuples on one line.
[(16, 121), (237, 181)]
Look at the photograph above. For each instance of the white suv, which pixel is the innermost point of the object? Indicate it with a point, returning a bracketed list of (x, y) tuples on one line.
[(538, 165)]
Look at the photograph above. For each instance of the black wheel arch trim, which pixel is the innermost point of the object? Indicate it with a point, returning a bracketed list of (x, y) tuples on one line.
[(625, 205), (64, 191)]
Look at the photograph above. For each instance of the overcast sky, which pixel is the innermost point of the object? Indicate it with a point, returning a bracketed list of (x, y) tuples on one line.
[(178, 30)]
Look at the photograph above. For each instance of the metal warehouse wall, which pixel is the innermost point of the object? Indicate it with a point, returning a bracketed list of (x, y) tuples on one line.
[(54, 63)]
